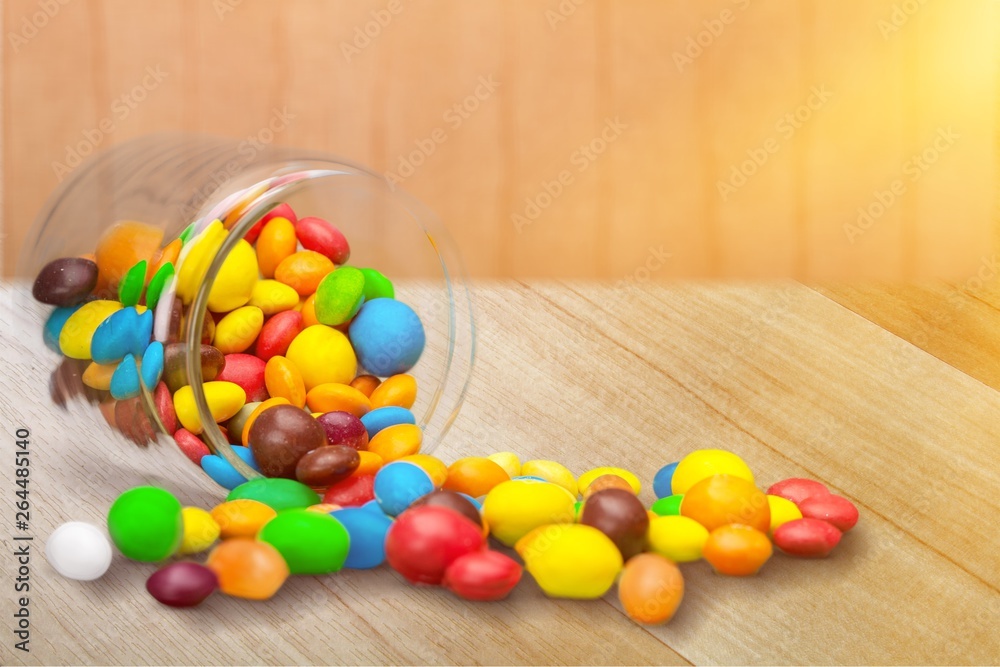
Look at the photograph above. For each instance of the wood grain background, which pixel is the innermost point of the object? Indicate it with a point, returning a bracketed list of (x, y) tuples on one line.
[(897, 73)]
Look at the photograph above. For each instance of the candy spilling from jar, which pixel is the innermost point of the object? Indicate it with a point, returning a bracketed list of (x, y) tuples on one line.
[(303, 358), (447, 526)]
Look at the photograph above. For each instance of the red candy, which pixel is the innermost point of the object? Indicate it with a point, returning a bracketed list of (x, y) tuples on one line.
[(807, 538), (191, 445), (482, 575), (835, 510), (354, 491), (247, 371), (165, 407), (320, 236), (277, 334), (279, 211), (797, 489), (343, 428), (424, 541)]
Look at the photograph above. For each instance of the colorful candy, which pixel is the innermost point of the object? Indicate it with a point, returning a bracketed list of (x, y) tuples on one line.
[(703, 463), (571, 560), (145, 524), (807, 538), (474, 475), (797, 489), (835, 510), (424, 541), (183, 584), (279, 494), (724, 499), (619, 515), (327, 465), (367, 531), (323, 354), (248, 568), (343, 428), (651, 589), (515, 508), (398, 484), (388, 337), (310, 542), (677, 537), (482, 575), (737, 549), (200, 531), (320, 236), (282, 435), (65, 282), (396, 442), (339, 296)]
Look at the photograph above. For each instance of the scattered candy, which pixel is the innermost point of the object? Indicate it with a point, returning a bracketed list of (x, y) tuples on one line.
[(78, 550), (586, 478), (145, 524), (835, 510), (515, 508), (241, 518), (619, 515), (726, 499), (704, 463), (651, 589), (737, 550), (183, 584), (797, 489), (677, 537), (669, 506), (200, 531), (570, 560), (278, 494), (807, 538), (782, 511), (367, 531), (248, 568), (474, 475), (310, 542), (398, 484), (422, 542), (482, 575), (663, 480)]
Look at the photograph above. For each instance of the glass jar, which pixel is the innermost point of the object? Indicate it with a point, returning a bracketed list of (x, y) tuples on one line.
[(175, 180)]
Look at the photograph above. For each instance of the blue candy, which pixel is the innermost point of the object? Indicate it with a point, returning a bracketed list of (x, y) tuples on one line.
[(387, 336), (54, 325), (125, 379), (142, 333), (663, 479), (367, 531), (373, 506), (381, 418), (224, 474), (115, 336), (398, 484), (152, 365)]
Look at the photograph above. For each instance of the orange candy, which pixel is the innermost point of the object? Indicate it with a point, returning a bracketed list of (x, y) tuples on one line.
[(736, 549), (308, 311), (474, 475), (399, 390), (247, 568), (651, 588), (332, 396), (724, 499), (241, 518), (607, 482), (276, 242), (370, 464), (366, 384), (170, 253), (283, 380), (396, 442), (303, 271), (269, 403), (123, 245)]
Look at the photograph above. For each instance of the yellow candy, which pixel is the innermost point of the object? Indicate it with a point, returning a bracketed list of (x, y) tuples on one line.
[(98, 376), (703, 463), (508, 461), (399, 390), (323, 508), (241, 518), (514, 508), (323, 355), (273, 297), (783, 510), (334, 397), (283, 380), (396, 442), (200, 531), (432, 465), (236, 279), (76, 334), (571, 560), (551, 471), (589, 476), (237, 331), (195, 259), (224, 400), (678, 538)]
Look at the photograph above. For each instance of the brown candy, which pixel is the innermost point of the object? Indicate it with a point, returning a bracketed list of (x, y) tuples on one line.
[(453, 501), (619, 514), (327, 465), (280, 436), (65, 282), (175, 364)]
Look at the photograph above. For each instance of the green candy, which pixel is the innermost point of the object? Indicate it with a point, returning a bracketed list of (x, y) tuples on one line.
[(377, 286), (340, 295), (186, 234), (669, 506), (130, 288), (277, 493), (310, 542), (577, 508), (157, 283), (145, 524)]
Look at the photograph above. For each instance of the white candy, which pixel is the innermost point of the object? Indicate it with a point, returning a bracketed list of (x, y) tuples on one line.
[(79, 550)]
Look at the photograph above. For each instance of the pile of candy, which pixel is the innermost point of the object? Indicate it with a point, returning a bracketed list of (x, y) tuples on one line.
[(287, 327), (304, 364), (421, 517)]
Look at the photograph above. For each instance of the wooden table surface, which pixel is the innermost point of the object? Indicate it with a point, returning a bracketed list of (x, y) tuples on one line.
[(783, 375)]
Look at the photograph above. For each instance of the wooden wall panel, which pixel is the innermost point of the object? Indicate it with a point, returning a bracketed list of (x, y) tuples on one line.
[(565, 69)]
